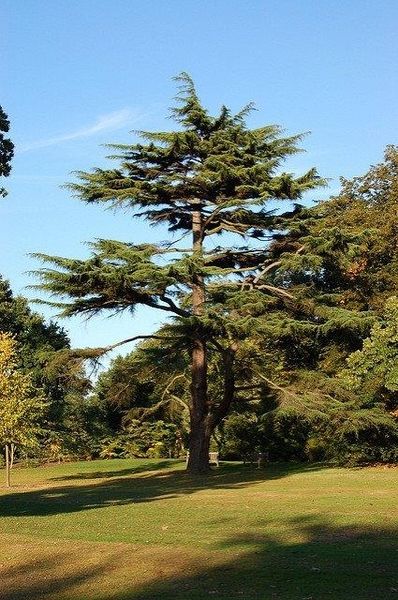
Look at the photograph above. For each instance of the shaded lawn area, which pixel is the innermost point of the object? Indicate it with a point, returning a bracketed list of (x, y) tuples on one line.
[(143, 530)]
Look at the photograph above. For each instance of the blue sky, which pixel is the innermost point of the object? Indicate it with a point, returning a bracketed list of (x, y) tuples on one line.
[(76, 74)]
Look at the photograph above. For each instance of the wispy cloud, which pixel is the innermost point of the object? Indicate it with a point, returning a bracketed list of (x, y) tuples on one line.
[(109, 122)]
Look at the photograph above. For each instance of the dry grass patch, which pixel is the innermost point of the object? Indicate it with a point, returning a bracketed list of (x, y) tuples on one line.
[(34, 569)]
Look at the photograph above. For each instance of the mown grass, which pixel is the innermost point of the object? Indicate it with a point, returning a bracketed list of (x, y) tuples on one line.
[(144, 529)]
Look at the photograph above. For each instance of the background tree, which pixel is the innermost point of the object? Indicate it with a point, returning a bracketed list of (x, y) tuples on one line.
[(145, 384), (21, 406), (357, 232), (213, 175), (43, 354), (373, 370), (6, 149), (340, 279), (346, 271)]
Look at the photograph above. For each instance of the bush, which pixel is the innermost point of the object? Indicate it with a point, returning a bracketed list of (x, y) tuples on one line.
[(143, 440), (283, 436), (240, 437)]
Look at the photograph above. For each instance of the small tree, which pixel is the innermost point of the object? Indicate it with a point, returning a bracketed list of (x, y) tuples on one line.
[(20, 404), (211, 176)]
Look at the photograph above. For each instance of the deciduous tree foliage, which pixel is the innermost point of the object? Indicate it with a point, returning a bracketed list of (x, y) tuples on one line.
[(212, 175), (21, 406), (373, 370), (39, 342), (43, 354)]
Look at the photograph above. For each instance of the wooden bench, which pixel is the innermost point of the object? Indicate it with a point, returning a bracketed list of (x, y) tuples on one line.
[(213, 458)]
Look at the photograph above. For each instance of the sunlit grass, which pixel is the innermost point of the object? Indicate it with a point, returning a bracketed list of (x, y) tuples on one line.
[(281, 532)]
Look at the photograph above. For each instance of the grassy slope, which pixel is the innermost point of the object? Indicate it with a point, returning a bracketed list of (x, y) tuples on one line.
[(139, 530)]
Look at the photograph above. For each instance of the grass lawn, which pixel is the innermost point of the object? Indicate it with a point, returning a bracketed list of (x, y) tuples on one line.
[(144, 530)]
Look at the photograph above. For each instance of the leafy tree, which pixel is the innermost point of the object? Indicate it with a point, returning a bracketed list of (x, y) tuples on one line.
[(6, 149), (142, 439), (21, 406), (239, 437), (350, 240), (341, 278), (43, 355), (373, 370), (39, 343), (211, 176)]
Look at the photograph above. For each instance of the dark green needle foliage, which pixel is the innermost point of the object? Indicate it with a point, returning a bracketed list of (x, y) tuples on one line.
[(212, 175)]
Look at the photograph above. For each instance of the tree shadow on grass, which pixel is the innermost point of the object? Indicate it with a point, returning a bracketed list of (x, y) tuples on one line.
[(328, 562), (335, 563), (136, 488), (143, 467), (39, 578)]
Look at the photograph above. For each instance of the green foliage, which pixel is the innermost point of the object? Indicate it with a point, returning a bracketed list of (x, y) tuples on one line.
[(274, 318), (45, 357), (240, 437), (142, 439), (6, 149), (212, 175), (361, 221), (374, 368), (43, 354), (359, 435), (21, 405), (284, 435), (216, 165)]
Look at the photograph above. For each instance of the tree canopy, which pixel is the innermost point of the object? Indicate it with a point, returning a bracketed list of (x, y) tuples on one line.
[(213, 175), (298, 356)]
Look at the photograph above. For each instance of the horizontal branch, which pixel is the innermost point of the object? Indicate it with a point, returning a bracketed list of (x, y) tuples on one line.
[(271, 266), (266, 270), (135, 338), (217, 211), (275, 290), (171, 306)]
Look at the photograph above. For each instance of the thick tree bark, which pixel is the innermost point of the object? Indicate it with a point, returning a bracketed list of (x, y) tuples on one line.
[(199, 445), (203, 426), (198, 461), (203, 420)]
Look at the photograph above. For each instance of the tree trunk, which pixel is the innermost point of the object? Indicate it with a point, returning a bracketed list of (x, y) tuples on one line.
[(8, 482), (12, 454), (198, 461), (199, 445), (203, 425)]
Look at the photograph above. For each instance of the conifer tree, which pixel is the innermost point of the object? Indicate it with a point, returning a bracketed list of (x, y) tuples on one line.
[(213, 175)]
